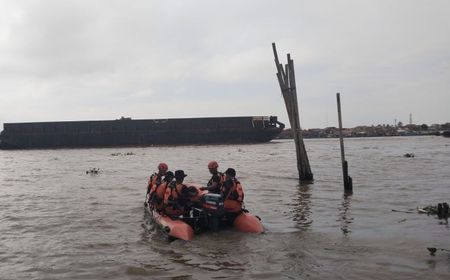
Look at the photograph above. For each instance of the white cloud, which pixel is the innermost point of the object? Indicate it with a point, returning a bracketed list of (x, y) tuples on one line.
[(84, 59)]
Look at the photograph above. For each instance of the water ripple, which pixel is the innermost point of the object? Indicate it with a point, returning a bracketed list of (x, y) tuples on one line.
[(57, 222)]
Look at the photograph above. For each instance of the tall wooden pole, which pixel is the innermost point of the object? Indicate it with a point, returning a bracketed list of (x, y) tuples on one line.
[(286, 79), (348, 184)]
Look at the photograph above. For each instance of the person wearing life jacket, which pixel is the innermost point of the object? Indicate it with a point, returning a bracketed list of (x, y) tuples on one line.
[(156, 196), (232, 192), (156, 178), (176, 196), (214, 184)]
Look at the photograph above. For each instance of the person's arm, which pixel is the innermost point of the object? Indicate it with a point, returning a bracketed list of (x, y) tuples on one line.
[(228, 184), (215, 184)]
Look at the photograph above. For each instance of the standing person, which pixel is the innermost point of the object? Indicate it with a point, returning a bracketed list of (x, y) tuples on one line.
[(214, 184), (232, 193), (156, 178), (176, 196)]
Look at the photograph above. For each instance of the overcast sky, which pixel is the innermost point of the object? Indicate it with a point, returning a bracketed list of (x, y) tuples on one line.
[(95, 60)]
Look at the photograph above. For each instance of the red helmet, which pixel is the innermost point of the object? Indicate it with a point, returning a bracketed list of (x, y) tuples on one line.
[(213, 165), (163, 167)]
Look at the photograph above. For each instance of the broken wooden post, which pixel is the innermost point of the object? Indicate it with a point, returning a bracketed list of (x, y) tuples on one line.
[(348, 184), (286, 79)]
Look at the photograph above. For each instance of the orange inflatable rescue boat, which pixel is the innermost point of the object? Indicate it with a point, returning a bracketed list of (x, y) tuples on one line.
[(206, 214), (173, 228)]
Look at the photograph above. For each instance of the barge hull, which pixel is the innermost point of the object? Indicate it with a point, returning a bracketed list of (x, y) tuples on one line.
[(148, 132)]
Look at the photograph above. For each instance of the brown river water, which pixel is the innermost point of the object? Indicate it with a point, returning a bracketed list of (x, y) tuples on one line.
[(57, 222)]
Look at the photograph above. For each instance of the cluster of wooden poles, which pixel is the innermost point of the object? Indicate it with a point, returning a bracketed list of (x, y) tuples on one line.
[(286, 79)]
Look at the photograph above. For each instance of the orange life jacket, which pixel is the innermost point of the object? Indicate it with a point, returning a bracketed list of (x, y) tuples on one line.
[(157, 195), (173, 200), (233, 196), (153, 181)]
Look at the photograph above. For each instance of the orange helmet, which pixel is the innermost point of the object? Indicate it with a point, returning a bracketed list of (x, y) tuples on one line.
[(213, 165), (163, 167)]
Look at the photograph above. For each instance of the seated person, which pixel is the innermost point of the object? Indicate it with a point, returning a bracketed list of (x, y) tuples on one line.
[(156, 178), (156, 196), (176, 196), (232, 192)]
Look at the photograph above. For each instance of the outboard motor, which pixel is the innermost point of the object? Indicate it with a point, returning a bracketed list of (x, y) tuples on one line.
[(212, 204)]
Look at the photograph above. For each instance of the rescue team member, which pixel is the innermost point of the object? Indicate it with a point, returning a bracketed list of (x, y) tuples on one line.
[(176, 196), (216, 181), (232, 192), (156, 197), (156, 178)]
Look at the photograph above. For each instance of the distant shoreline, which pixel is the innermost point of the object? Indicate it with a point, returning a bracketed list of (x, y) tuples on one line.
[(362, 132)]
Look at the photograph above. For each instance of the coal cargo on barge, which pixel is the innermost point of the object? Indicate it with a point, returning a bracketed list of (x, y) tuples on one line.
[(145, 132)]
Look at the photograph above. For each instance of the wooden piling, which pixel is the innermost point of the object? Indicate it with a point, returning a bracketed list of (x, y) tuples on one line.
[(348, 182), (286, 79)]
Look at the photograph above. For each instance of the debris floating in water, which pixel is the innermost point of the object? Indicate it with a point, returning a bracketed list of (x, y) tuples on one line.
[(402, 211), (409, 155), (93, 171), (125, 154), (433, 250), (441, 210)]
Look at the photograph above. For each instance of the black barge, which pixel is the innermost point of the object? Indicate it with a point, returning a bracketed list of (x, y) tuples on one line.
[(139, 132)]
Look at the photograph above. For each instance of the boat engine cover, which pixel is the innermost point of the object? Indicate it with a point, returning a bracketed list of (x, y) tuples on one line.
[(213, 204)]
